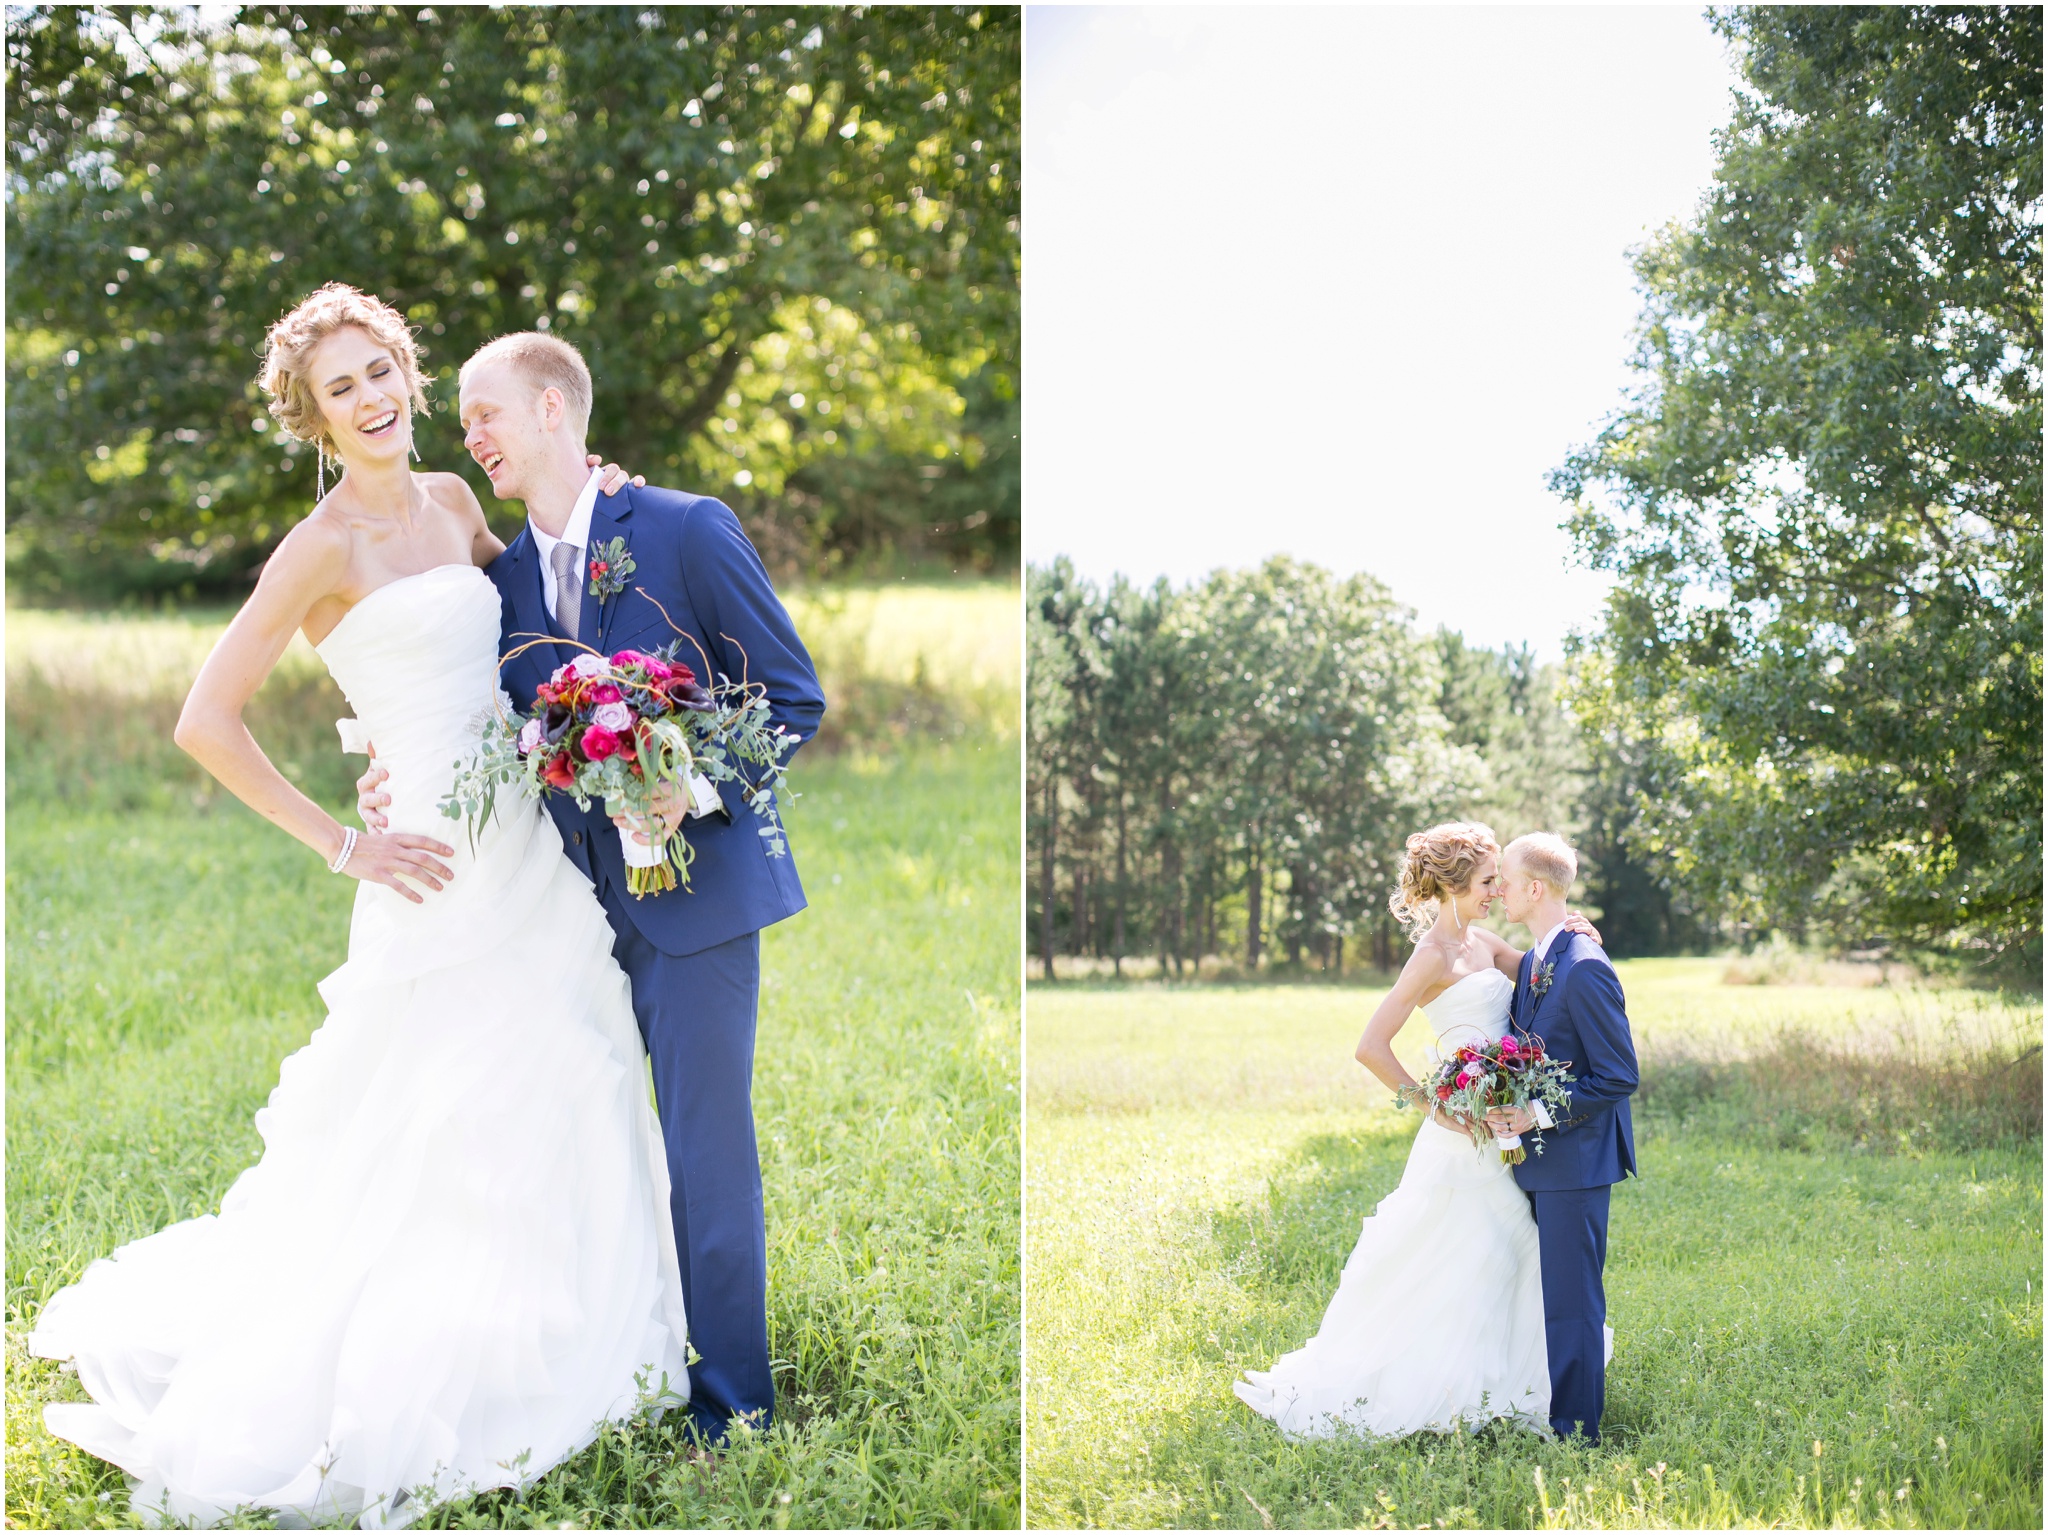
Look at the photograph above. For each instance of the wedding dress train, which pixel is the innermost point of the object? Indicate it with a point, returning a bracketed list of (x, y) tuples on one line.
[(1438, 1319), (455, 1258)]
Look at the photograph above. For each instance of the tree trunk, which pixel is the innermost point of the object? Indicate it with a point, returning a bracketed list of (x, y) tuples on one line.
[(1122, 880), (1048, 882), (1337, 951), (1254, 897)]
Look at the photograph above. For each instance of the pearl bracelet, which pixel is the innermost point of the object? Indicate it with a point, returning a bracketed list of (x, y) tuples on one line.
[(348, 850)]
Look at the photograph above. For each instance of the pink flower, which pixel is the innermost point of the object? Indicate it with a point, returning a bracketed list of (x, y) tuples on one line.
[(629, 658), (1464, 1078), (613, 715), (599, 743), (531, 734), (657, 671), (604, 693)]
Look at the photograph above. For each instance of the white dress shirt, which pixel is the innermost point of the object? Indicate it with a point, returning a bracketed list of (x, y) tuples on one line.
[(576, 534), (1541, 1113)]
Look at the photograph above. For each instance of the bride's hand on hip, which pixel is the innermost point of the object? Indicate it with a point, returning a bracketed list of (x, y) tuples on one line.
[(389, 859)]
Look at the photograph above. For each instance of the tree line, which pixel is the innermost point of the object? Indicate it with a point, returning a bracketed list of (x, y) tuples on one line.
[(1231, 768), (786, 240)]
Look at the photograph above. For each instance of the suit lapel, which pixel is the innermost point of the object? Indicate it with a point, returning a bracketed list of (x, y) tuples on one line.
[(529, 611), (1518, 1008), (1559, 959), (607, 521)]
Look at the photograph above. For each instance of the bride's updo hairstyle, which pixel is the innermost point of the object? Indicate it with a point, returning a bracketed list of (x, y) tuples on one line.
[(288, 352), (1439, 864)]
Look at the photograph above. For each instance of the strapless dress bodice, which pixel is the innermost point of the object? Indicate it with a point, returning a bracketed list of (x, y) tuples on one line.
[(417, 660), (1471, 1008)]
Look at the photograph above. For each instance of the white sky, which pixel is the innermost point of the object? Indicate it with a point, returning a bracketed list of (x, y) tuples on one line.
[(1344, 284)]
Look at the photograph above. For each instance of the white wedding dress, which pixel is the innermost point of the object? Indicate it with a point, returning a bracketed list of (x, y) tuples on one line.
[(454, 1259), (1438, 1319)]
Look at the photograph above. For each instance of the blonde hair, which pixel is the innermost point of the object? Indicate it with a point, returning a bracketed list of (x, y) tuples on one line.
[(545, 362), (288, 352), (1440, 862), (1548, 857)]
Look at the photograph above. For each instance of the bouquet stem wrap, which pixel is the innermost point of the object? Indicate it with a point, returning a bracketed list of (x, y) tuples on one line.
[(648, 865)]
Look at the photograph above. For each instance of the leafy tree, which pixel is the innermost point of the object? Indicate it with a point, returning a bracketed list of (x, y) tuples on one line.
[(1823, 503), (786, 240)]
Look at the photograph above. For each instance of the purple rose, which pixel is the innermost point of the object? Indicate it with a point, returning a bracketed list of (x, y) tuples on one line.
[(613, 716), (531, 734)]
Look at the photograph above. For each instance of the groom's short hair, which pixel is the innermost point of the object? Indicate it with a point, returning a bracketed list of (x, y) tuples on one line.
[(545, 361), (1548, 857)]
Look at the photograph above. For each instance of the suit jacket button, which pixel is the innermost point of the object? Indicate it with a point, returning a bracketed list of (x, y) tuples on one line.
[(579, 838)]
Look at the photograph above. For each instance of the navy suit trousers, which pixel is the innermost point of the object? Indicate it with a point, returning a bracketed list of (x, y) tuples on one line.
[(1571, 1234), (697, 1014)]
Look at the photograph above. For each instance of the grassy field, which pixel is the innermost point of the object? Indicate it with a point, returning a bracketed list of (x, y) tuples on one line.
[(163, 945), (1827, 1299)]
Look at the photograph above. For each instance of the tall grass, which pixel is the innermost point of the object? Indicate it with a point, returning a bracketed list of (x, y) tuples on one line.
[(163, 945), (92, 696), (1827, 1315)]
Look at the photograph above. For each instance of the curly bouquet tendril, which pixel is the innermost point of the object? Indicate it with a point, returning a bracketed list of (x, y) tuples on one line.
[(617, 728)]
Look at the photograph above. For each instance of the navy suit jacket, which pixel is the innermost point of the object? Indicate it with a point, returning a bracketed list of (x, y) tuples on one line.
[(1581, 1018), (692, 558)]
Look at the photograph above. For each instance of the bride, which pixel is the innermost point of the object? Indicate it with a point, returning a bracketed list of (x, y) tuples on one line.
[(1456, 1241), (454, 1259)]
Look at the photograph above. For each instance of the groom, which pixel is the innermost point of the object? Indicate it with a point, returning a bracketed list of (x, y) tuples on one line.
[(692, 955), (1568, 995)]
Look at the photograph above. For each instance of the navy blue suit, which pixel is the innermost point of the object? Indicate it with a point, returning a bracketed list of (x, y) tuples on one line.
[(691, 954), (1581, 1018)]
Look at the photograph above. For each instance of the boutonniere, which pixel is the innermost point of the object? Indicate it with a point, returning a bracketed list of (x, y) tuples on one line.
[(1539, 982), (610, 564)]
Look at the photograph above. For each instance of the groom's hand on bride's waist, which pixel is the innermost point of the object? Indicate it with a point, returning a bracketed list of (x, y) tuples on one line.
[(370, 798)]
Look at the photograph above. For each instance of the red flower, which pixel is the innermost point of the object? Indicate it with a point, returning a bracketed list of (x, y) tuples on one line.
[(1444, 1091), (604, 693), (680, 673), (599, 743), (559, 772)]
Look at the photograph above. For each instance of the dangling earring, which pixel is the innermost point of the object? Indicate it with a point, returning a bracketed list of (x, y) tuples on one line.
[(320, 474)]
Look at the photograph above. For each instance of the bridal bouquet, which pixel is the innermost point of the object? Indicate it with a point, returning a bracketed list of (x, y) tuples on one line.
[(1509, 1072), (617, 730)]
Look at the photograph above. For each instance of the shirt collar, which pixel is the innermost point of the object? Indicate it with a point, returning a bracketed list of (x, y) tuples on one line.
[(1544, 947), (577, 533)]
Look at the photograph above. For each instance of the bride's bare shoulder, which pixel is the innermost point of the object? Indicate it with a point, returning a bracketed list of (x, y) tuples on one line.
[(1427, 969), (451, 490)]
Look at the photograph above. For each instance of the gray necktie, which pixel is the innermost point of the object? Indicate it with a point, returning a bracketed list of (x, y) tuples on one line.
[(568, 587)]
